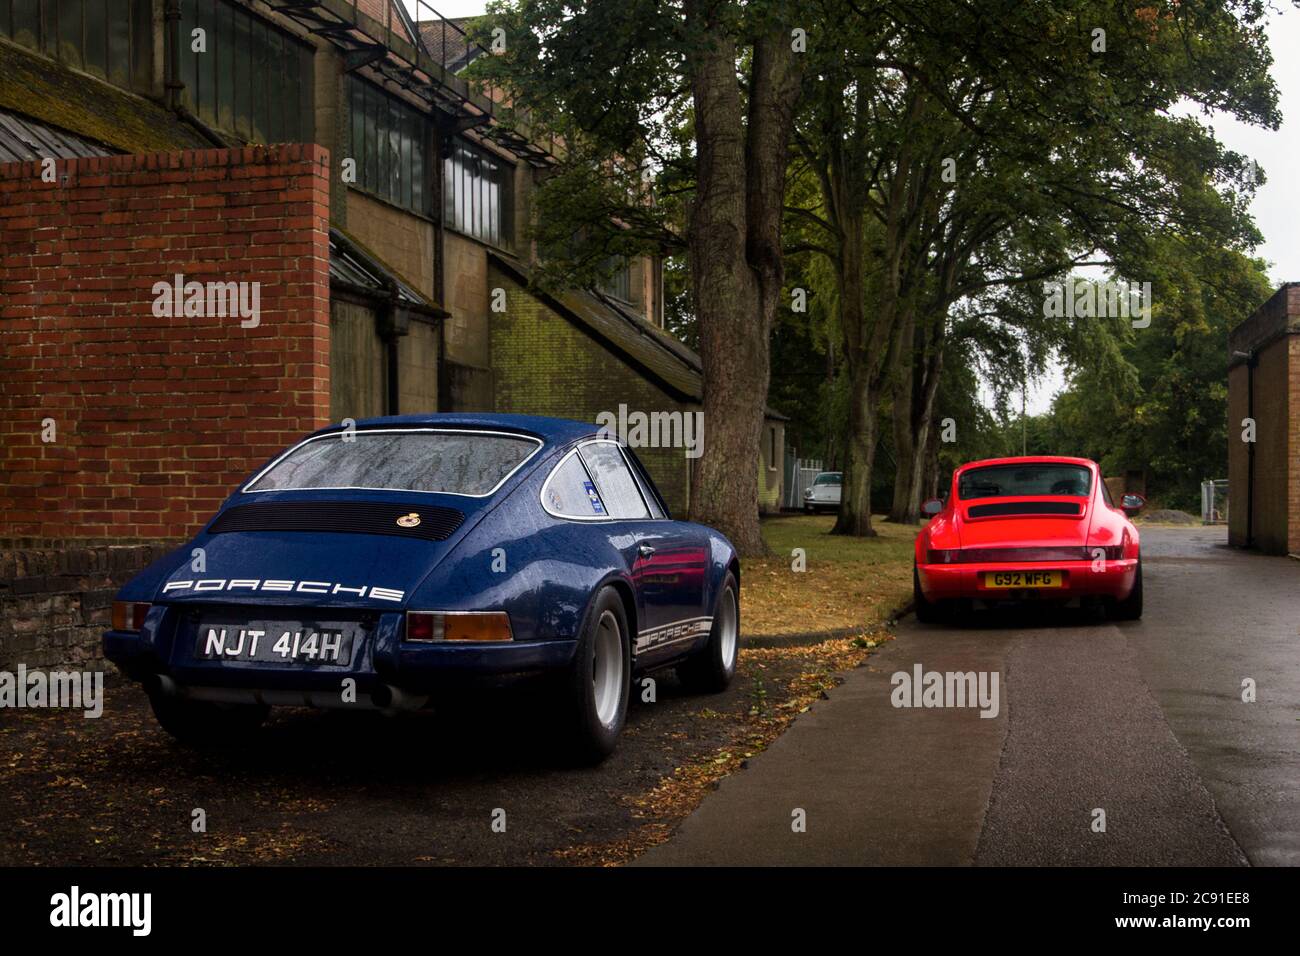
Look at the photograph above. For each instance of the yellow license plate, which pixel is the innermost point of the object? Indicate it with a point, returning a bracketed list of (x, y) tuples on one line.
[(1024, 579)]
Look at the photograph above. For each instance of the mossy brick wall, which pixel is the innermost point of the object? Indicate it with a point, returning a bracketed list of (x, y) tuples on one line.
[(55, 602), (543, 364), (157, 418)]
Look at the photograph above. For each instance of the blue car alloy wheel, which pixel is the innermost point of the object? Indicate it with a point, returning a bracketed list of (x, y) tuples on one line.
[(394, 565)]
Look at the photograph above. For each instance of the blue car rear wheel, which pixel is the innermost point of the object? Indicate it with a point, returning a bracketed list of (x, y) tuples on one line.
[(596, 689), (711, 669)]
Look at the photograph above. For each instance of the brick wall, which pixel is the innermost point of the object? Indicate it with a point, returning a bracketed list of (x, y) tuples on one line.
[(544, 365), (1293, 445), (1273, 334), (55, 602), (156, 418)]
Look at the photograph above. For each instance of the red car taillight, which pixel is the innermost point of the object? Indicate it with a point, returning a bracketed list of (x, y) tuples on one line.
[(129, 615), (942, 556)]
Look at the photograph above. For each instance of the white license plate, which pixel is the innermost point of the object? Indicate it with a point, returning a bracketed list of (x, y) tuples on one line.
[(276, 642)]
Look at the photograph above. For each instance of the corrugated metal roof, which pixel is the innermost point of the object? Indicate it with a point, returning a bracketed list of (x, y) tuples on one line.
[(23, 139), (44, 91), (353, 265)]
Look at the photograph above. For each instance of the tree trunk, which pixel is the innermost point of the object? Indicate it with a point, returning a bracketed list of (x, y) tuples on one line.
[(904, 422), (923, 440), (734, 247), (913, 417), (859, 459), (930, 482), (860, 443)]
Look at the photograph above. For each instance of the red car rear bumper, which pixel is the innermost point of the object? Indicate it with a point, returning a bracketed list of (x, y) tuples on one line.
[(1109, 579)]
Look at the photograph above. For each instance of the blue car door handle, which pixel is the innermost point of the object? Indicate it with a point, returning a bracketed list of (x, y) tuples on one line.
[(645, 550)]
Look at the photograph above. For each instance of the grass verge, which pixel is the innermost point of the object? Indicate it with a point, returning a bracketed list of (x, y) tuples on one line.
[(846, 582)]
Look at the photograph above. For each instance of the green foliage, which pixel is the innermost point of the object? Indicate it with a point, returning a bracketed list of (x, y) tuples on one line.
[(1170, 418)]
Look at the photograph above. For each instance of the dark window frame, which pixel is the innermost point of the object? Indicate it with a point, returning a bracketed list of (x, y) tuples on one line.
[(393, 171), (479, 194), (87, 36), (255, 79)]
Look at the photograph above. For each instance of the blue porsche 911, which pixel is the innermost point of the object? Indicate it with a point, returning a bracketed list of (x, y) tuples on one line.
[(379, 565)]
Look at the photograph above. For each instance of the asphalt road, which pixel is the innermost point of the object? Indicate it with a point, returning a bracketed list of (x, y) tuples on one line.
[(1143, 722)]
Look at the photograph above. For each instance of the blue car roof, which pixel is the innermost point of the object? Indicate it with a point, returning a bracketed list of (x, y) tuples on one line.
[(553, 431)]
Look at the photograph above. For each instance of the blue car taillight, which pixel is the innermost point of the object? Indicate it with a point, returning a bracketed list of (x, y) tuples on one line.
[(435, 627), (129, 615)]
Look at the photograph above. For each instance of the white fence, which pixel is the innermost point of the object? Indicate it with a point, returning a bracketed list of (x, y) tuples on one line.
[(1214, 501), (799, 478)]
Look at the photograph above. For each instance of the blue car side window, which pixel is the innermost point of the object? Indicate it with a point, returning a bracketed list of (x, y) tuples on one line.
[(617, 486), (570, 492)]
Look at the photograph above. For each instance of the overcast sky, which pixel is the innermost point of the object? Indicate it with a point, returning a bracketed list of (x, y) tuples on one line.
[(1277, 203)]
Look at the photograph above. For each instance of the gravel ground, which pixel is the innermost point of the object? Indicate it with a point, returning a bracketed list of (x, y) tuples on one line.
[(332, 788)]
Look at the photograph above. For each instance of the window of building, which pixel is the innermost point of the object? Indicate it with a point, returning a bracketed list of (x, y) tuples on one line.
[(619, 284), (388, 142), (479, 194), (112, 39), (648, 491), (250, 79)]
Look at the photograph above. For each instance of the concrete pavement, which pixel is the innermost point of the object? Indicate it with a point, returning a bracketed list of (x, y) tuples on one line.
[(1143, 721)]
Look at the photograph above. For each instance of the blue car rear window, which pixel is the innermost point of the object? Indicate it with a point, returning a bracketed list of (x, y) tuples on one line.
[(447, 462)]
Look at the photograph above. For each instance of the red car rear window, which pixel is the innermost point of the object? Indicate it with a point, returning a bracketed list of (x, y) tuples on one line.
[(1005, 481)]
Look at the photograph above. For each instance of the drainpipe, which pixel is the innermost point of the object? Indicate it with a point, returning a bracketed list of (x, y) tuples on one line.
[(172, 84), (394, 322), (443, 149), (1251, 361)]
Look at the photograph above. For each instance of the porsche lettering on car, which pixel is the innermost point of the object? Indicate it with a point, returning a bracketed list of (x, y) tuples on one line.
[(408, 556), (1028, 529)]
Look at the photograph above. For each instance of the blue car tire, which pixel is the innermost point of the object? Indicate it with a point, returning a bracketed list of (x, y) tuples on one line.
[(597, 685), (710, 670)]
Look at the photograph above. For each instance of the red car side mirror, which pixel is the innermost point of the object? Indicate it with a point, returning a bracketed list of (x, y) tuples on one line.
[(1132, 504), (931, 507)]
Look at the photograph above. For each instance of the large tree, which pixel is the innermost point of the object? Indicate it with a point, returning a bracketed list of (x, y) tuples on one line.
[(702, 94), (998, 148)]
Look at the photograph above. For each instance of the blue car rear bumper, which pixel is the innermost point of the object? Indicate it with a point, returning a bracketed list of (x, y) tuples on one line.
[(163, 648)]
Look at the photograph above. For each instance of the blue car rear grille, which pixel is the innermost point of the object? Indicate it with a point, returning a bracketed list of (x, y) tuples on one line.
[(1008, 508), (349, 517)]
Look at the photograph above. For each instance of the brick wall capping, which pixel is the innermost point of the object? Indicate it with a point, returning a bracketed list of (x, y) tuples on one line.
[(1278, 317)]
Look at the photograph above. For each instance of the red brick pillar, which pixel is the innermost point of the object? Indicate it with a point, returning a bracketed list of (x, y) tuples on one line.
[(156, 417)]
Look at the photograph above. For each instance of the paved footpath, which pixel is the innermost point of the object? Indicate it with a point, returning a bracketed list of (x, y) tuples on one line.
[(1143, 721)]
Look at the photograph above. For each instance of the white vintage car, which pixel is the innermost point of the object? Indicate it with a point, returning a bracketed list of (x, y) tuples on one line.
[(824, 495)]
